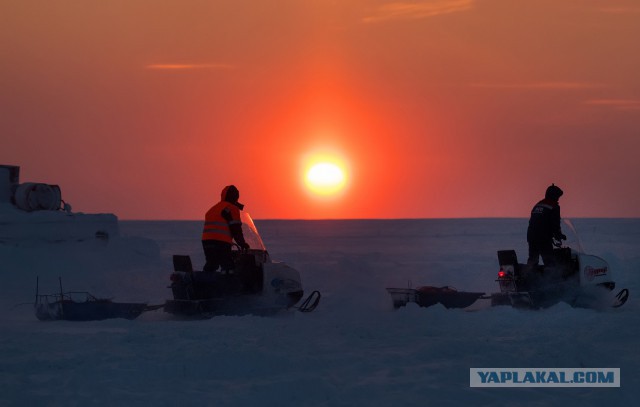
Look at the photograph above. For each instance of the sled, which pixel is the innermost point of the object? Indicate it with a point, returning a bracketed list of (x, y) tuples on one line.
[(427, 296), (82, 306)]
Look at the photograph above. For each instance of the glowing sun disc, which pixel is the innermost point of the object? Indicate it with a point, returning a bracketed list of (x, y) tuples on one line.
[(325, 178)]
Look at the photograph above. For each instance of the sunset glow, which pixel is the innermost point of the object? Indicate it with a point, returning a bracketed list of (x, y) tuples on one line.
[(410, 109)]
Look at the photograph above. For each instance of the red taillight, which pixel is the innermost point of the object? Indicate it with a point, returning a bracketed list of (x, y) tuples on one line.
[(502, 274)]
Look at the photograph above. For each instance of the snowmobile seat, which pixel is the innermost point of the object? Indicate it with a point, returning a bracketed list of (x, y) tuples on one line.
[(182, 263)]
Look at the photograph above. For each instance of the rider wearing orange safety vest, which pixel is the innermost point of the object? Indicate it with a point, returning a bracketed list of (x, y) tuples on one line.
[(222, 225)]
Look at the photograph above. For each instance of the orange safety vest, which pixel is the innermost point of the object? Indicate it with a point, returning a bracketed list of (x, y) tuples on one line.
[(216, 227)]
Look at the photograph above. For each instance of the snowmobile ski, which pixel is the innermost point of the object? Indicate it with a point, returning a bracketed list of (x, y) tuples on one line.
[(621, 298), (311, 302)]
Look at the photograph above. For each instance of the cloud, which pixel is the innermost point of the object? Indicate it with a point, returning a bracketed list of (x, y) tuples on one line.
[(178, 67), (417, 10), (540, 85), (620, 104), (619, 10)]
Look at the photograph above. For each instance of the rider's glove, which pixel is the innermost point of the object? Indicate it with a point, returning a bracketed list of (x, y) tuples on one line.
[(244, 246)]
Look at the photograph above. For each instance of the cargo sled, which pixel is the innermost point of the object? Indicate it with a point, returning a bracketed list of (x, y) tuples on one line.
[(82, 306), (257, 285)]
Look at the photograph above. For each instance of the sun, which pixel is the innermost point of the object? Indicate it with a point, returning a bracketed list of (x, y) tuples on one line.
[(325, 177)]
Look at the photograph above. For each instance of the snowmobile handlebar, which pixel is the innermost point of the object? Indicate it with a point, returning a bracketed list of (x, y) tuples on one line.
[(244, 248)]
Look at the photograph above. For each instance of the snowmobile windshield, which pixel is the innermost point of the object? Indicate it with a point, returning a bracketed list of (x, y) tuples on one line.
[(251, 235), (573, 238)]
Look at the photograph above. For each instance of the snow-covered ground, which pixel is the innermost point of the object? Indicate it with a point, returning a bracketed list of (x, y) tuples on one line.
[(354, 350)]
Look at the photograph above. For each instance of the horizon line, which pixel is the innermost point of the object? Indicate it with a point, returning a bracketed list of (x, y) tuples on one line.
[(391, 219)]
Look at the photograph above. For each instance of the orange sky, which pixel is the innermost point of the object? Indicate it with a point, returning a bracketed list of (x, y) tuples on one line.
[(442, 108)]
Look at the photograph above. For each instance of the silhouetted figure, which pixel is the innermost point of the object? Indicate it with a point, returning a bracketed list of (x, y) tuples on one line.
[(544, 227), (222, 225)]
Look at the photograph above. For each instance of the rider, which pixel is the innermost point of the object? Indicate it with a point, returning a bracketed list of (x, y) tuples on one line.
[(222, 225), (544, 227)]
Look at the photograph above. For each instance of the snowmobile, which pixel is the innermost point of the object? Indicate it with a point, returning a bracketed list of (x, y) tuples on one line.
[(576, 278), (257, 285)]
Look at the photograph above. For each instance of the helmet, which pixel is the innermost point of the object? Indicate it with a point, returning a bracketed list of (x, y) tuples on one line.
[(230, 193), (553, 192)]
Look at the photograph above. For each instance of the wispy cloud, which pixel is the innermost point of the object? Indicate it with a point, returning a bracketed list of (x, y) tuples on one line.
[(620, 9), (177, 67), (416, 10), (540, 85), (620, 104)]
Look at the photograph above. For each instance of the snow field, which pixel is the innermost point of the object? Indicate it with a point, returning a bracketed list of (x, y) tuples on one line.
[(353, 350)]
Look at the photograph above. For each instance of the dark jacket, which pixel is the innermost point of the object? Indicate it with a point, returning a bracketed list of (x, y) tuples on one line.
[(544, 223)]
